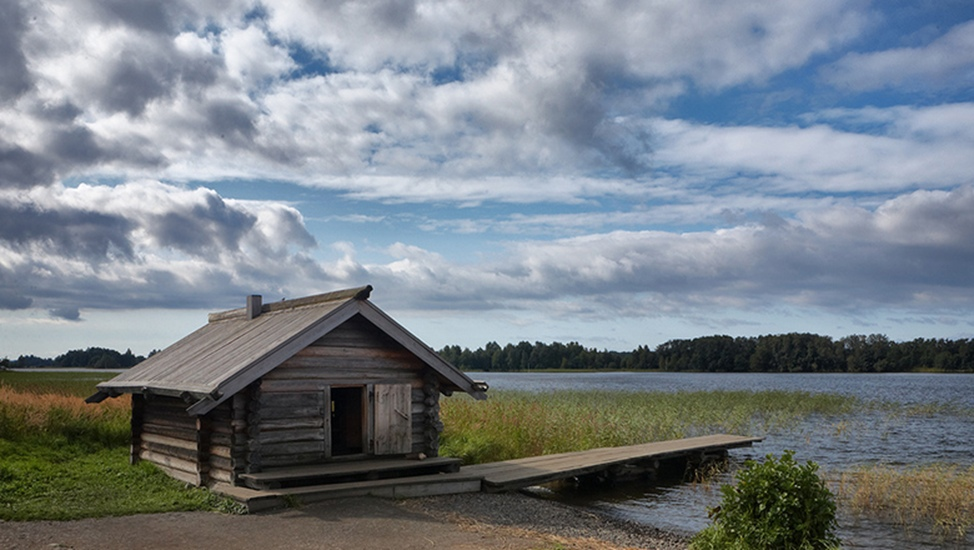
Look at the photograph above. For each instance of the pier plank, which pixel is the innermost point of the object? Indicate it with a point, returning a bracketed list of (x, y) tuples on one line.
[(524, 472)]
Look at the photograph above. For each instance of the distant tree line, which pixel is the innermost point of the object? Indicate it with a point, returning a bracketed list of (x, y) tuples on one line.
[(91, 358), (794, 352)]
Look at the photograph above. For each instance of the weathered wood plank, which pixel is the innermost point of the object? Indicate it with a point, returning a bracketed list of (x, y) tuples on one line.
[(172, 462), (291, 400), (168, 450), (163, 439), (285, 412), (169, 431), (291, 448), (523, 472), (284, 436), (393, 419), (368, 353), (269, 425)]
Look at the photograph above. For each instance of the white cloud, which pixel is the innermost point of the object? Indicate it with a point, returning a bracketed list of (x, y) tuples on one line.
[(947, 62), (914, 250), (922, 147)]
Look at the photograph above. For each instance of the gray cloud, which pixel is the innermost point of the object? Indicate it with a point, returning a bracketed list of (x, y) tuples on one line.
[(14, 77), (69, 232), (66, 313), (202, 229), (146, 244), (20, 168)]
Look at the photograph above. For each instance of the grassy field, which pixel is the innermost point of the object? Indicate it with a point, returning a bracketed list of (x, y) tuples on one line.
[(63, 459)]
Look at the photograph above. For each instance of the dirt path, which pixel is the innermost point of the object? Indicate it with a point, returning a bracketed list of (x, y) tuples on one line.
[(347, 524)]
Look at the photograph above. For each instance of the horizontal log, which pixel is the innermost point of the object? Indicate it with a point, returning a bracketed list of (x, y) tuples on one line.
[(291, 400), (171, 462), (221, 439), (283, 436), (291, 448), (291, 460), (161, 418), (221, 428), (163, 439), (353, 364), (168, 431), (219, 463), (225, 476), (297, 385), (292, 423), (271, 413), (176, 452), (343, 352), (344, 378), (223, 451)]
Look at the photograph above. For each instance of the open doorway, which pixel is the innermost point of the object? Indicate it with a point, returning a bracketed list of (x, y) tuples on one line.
[(347, 420)]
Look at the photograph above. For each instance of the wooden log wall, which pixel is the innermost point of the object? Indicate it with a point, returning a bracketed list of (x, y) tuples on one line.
[(293, 402), (170, 438)]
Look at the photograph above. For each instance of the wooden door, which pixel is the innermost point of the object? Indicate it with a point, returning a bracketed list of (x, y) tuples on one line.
[(392, 430)]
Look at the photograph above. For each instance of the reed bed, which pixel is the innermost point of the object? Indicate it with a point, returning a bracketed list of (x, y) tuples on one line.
[(941, 496), (517, 424)]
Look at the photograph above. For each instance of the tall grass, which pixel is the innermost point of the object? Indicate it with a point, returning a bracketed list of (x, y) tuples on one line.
[(28, 415), (63, 459), (941, 496), (516, 424)]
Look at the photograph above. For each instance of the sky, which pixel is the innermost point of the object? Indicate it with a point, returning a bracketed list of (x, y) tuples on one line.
[(615, 173)]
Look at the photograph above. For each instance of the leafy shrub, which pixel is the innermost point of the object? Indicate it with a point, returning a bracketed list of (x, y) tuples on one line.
[(777, 504)]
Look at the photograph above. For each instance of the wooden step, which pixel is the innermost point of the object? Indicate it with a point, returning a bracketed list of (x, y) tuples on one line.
[(398, 488), (344, 472)]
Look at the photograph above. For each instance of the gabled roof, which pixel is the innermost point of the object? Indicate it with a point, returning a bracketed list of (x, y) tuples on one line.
[(235, 349)]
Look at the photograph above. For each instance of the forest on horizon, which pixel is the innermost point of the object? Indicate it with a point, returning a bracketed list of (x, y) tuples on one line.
[(792, 352)]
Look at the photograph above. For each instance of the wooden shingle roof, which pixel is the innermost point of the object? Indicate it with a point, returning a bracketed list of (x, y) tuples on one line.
[(233, 350)]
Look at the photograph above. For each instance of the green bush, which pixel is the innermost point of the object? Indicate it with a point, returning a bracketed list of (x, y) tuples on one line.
[(777, 504)]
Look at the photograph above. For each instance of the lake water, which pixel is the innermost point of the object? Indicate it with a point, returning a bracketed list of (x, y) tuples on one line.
[(944, 433)]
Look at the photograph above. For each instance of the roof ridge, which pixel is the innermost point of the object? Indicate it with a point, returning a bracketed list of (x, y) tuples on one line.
[(358, 293)]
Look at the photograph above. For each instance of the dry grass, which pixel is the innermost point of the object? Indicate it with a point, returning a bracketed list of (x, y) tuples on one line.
[(941, 496), (25, 413)]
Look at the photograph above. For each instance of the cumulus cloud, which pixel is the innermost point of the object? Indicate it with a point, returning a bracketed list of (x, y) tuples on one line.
[(144, 244), (441, 89)]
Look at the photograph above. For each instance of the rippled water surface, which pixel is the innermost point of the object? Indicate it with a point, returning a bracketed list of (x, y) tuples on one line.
[(939, 429)]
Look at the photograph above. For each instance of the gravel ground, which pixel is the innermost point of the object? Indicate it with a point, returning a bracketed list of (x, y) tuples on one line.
[(465, 522), (566, 524)]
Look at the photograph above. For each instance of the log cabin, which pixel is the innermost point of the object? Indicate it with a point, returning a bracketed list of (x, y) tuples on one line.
[(294, 383)]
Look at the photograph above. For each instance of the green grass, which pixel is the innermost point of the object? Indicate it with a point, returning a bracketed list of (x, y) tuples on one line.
[(517, 424), (60, 480), (63, 459), (78, 384)]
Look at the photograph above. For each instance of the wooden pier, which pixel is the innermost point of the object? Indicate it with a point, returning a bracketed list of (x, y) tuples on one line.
[(412, 478), (606, 462)]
